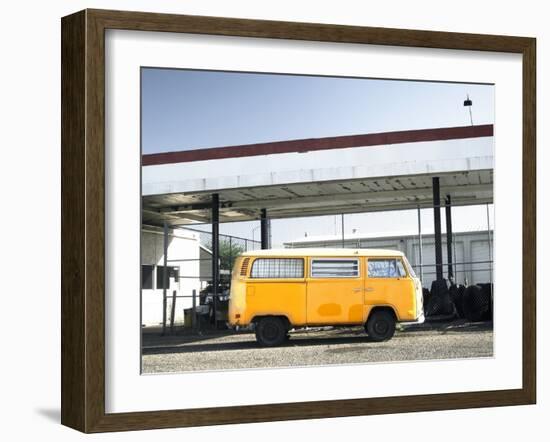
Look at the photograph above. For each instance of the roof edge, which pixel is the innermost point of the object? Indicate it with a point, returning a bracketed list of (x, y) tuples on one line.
[(323, 252)]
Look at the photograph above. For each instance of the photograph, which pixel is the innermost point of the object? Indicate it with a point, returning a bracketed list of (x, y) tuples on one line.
[(293, 220)]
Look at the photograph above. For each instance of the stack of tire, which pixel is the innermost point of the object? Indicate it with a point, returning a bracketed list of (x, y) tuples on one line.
[(426, 295), (439, 302), (474, 303), (457, 296), (477, 302)]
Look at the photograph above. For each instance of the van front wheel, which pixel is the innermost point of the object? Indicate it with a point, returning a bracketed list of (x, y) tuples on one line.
[(270, 331), (381, 326)]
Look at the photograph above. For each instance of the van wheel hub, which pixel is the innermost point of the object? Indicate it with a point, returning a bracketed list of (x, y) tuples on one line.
[(270, 331), (381, 327)]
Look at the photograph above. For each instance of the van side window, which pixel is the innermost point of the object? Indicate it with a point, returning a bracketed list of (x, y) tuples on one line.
[(334, 268), (277, 268), (386, 268)]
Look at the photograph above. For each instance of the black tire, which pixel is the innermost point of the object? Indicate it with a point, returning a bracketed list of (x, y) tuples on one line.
[(270, 331), (487, 290), (439, 287), (475, 303), (381, 326), (459, 302), (440, 302), (426, 295)]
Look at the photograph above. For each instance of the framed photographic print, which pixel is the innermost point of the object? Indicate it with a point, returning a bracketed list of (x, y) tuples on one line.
[(270, 220)]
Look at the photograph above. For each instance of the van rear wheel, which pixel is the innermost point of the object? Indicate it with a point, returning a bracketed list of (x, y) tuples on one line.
[(380, 326), (270, 331)]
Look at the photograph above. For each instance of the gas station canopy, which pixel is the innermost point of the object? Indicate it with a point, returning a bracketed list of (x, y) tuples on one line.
[(359, 173)]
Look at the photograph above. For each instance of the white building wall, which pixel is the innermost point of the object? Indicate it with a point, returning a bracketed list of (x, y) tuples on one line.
[(428, 260), (205, 266), (181, 246), (481, 271)]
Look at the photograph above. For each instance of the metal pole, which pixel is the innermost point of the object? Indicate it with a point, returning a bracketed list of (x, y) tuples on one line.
[(490, 246), (269, 237), (469, 103), (449, 236), (420, 245), (264, 230), (343, 243), (437, 228), (173, 312), (194, 311), (230, 257), (215, 251), (164, 275), (454, 254)]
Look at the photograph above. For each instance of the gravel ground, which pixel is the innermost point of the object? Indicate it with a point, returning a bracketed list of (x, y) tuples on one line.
[(230, 350)]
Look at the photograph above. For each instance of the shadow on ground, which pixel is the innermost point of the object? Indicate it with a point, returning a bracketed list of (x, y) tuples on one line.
[(154, 344), (252, 344), (51, 414), (458, 326)]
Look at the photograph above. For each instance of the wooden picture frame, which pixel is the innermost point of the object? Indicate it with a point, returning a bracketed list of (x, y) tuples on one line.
[(83, 216)]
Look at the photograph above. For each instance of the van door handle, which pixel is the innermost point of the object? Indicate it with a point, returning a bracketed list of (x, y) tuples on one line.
[(357, 289), (369, 289)]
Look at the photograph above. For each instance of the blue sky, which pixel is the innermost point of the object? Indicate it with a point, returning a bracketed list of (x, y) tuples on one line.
[(188, 109)]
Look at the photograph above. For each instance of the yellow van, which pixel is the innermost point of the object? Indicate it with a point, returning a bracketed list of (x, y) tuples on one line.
[(274, 291)]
